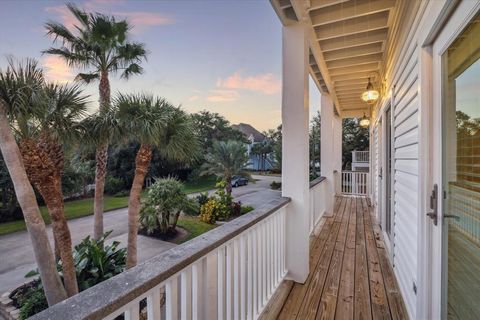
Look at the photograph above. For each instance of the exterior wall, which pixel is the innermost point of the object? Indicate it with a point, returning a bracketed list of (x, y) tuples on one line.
[(402, 90)]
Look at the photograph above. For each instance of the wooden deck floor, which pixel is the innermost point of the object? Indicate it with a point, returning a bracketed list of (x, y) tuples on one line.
[(351, 277)]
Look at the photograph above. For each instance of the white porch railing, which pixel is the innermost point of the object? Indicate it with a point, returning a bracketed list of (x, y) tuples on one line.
[(360, 156), (317, 201), (465, 204), (228, 273), (354, 182)]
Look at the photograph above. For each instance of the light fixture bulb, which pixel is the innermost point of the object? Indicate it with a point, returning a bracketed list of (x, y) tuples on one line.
[(370, 95), (364, 122)]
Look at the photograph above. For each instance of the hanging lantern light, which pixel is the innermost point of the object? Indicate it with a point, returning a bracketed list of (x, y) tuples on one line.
[(370, 95), (364, 122)]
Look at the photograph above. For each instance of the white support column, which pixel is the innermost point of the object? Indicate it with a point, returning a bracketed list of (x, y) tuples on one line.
[(295, 153), (331, 156)]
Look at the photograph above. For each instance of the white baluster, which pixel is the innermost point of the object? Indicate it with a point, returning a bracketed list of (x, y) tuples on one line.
[(153, 304)]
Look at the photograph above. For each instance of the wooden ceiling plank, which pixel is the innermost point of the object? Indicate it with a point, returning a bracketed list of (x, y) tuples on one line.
[(356, 51), (350, 76), (318, 4), (376, 57), (368, 67), (354, 40), (350, 10), (352, 26)]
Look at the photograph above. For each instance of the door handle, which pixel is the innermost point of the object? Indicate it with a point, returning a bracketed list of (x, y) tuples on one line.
[(434, 205)]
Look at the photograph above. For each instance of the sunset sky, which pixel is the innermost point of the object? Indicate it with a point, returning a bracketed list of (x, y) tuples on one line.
[(222, 56)]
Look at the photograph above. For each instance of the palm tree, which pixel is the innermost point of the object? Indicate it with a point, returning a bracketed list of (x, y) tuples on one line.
[(42, 137), (227, 158), (153, 122), (100, 46), (18, 87)]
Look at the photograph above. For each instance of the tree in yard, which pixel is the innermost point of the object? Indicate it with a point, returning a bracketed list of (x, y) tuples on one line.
[(210, 126), (43, 131), (152, 122), (227, 158), (101, 46), (314, 144), (19, 87), (164, 202), (262, 150), (354, 138), (275, 136)]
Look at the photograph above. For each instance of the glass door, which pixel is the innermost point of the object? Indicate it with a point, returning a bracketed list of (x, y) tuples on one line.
[(461, 175)]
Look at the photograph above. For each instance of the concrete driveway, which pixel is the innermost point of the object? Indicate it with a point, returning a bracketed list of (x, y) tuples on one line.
[(16, 253)]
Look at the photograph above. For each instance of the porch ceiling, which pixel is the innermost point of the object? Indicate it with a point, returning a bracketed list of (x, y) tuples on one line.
[(348, 41)]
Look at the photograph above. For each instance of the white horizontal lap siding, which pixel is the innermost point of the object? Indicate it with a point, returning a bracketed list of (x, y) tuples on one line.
[(405, 167)]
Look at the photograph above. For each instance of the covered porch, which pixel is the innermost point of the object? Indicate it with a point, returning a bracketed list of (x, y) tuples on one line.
[(350, 273), (310, 253)]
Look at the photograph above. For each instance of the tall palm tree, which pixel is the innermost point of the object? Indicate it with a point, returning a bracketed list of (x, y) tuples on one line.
[(42, 140), (153, 122), (18, 87), (227, 158), (99, 45)]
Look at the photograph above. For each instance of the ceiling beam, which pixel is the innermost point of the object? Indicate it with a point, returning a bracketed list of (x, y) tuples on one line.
[(352, 26), (341, 63), (350, 76), (368, 67), (349, 10), (354, 40), (351, 83), (318, 4), (357, 51)]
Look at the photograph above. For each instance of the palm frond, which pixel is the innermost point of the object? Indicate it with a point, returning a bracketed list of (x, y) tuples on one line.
[(87, 77)]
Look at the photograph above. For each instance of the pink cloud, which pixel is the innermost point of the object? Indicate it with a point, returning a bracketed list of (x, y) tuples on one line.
[(56, 70), (263, 83), (139, 19), (223, 95)]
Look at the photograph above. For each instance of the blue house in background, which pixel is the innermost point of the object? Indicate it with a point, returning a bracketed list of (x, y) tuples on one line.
[(254, 137)]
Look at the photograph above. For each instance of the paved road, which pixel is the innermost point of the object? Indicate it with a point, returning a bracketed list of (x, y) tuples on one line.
[(16, 254)]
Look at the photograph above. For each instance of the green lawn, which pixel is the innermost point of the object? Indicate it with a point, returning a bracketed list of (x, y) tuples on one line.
[(81, 208), (204, 184), (194, 226)]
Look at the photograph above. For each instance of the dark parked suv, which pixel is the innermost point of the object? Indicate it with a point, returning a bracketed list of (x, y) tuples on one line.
[(239, 181)]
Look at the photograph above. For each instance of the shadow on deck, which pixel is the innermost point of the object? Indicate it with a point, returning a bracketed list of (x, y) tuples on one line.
[(350, 274)]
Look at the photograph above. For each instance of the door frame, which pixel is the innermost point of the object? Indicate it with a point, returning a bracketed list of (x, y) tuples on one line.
[(431, 254)]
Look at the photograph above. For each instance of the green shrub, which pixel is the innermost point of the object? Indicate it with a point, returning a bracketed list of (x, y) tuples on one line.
[(202, 198), (35, 303), (96, 262), (192, 207), (246, 209), (213, 210), (275, 185), (113, 185), (162, 206), (121, 194)]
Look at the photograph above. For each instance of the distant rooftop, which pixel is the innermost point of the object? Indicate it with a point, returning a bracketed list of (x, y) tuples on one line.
[(248, 131)]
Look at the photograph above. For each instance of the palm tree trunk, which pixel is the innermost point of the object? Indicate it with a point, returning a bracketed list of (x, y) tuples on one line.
[(54, 290), (44, 163), (228, 185), (52, 194), (142, 163), (101, 158)]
